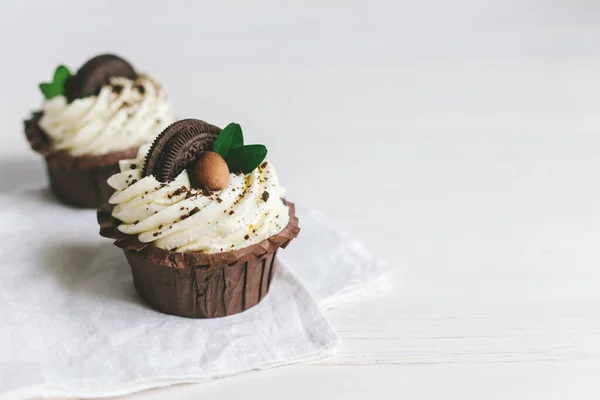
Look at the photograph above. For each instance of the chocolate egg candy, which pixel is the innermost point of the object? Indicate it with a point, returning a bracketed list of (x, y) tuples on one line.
[(96, 73), (177, 147), (210, 171)]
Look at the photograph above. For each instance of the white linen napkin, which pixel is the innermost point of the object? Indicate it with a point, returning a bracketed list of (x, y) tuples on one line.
[(72, 325)]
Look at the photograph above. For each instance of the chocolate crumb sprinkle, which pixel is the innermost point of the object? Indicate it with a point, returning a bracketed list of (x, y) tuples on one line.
[(137, 221), (192, 212), (177, 192), (219, 200), (265, 196), (231, 212), (263, 164), (160, 226), (247, 237), (132, 166)]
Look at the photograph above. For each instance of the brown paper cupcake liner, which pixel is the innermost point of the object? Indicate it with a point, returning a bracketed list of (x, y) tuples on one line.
[(77, 181), (198, 285)]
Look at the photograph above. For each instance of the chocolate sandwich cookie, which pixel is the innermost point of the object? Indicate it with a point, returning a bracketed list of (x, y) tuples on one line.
[(177, 147), (96, 73)]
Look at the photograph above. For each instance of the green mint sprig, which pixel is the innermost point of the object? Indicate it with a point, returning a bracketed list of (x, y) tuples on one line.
[(239, 157), (57, 86)]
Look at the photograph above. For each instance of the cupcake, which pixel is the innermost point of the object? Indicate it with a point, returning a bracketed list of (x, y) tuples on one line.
[(92, 119), (200, 217)]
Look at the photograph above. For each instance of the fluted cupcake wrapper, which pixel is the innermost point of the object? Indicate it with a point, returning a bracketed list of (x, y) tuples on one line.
[(76, 180), (207, 292), (198, 285)]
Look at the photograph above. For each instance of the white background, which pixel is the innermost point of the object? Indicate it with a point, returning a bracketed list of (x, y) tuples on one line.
[(457, 139)]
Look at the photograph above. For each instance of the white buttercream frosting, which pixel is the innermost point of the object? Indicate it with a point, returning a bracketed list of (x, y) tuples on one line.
[(124, 114), (177, 217)]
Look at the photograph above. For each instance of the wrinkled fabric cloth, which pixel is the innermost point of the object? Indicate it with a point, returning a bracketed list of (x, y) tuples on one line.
[(72, 325)]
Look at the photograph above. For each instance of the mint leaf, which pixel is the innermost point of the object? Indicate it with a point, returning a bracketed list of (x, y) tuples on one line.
[(61, 75), (57, 86), (246, 158), (230, 146), (51, 90), (230, 137), (238, 137)]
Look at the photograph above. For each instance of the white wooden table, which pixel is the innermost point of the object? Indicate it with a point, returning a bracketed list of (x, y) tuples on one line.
[(458, 139)]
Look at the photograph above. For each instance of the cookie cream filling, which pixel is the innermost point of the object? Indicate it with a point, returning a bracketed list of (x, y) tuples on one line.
[(177, 217), (124, 114)]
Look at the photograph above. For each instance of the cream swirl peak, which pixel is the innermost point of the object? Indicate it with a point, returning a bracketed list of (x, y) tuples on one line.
[(126, 113), (177, 217)]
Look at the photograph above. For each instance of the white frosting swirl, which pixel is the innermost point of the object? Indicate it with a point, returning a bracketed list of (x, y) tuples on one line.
[(176, 217), (124, 114)]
